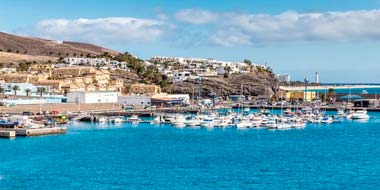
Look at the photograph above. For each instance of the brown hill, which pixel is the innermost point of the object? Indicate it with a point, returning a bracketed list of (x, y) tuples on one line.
[(41, 47), (18, 58)]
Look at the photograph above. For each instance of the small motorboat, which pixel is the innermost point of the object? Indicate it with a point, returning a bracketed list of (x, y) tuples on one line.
[(102, 120), (156, 120), (117, 120), (360, 115), (271, 124), (134, 119), (327, 120)]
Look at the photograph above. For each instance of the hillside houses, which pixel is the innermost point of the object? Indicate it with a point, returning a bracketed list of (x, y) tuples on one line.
[(93, 62), (180, 68)]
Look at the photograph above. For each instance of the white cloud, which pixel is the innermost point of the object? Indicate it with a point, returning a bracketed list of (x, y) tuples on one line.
[(196, 16), (103, 30), (231, 37), (293, 26)]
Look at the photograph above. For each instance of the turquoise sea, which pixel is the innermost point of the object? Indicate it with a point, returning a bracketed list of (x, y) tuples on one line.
[(356, 91), (93, 156)]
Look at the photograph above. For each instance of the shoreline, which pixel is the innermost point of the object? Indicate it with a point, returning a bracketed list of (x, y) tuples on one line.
[(302, 88)]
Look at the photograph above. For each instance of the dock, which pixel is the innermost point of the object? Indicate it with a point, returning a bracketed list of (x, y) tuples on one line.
[(13, 132), (40, 131), (7, 134)]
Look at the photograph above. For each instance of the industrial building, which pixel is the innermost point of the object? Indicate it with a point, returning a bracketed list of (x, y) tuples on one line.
[(92, 97)]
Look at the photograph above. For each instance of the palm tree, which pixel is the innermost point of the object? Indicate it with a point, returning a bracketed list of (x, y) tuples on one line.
[(28, 91), (2, 90), (15, 88), (41, 91)]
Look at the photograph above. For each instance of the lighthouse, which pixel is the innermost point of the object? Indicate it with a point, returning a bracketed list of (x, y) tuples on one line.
[(316, 79)]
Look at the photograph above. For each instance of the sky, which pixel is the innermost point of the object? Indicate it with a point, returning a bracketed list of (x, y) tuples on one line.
[(339, 39)]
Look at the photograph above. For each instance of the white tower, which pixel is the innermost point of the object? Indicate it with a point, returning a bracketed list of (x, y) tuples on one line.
[(316, 79)]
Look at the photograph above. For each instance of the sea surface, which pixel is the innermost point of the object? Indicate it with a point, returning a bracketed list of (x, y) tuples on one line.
[(93, 156)]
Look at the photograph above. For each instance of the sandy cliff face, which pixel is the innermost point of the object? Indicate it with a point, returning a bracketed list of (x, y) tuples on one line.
[(254, 83)]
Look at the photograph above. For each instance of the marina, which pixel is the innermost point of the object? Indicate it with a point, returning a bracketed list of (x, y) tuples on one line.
[(155, 154)]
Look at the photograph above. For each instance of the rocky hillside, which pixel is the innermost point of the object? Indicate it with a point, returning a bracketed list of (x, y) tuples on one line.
[(254, 83), (41, 47)]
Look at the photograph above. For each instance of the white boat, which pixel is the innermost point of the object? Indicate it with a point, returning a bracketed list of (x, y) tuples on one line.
[(179, 125), (360, 114), (283, 125), (193, 122), (221, 123), (102, 120), (298, 125), (156, 120), (244, 124), (264, 121), (341, 113), (117, 120), (208, 122), (134, 119), (271, 124), (349, 114), (256, 121), (327, 120), (179, 121)]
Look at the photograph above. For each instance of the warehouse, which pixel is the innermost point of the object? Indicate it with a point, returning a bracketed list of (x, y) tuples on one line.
[(92, 97)]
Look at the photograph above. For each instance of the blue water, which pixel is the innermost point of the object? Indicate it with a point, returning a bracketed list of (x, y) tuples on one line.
[(358, 91), (335, 156)]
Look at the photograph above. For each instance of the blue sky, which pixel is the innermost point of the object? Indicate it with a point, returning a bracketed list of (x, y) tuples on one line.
[(338, 38)]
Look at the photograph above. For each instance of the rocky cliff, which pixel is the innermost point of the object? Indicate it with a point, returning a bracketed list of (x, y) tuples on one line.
[(254, 83)]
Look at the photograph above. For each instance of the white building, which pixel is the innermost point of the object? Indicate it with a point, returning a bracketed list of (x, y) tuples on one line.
[(182, 76), (92, 97), (22, 89), (183, 98), (134, 100), (101, 62), (316, 79), (283, 78)]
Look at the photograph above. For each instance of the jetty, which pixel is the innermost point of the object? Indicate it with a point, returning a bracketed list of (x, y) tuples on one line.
[(13, 132), (7, 134)]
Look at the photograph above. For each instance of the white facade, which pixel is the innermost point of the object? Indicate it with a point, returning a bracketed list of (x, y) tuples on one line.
[(182, 76), (70, 61), (8, 89), (134, 100), (92, 97), (185, 98), (283, 78), (316, 79)]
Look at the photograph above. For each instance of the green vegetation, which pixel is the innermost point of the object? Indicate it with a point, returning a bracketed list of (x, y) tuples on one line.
[(41, 91), (15, 88), (24, 66), (227, 71), (149, 74), (28, 91), (2, 90), (247, 61)]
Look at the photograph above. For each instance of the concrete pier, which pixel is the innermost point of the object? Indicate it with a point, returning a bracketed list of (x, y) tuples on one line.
[(13, 132), (7, 134), (41, 131)]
